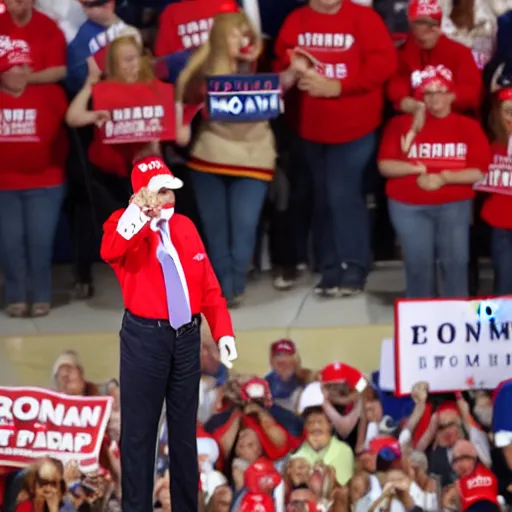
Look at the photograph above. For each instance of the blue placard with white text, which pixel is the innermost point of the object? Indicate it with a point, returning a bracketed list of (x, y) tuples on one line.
[(243, 98)]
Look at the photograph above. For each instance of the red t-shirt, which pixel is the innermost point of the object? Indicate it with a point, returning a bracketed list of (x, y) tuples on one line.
[(45, 38), (467, 78), (185, 25), (355, 48), (38, 113), (497, 209), (453, 143)]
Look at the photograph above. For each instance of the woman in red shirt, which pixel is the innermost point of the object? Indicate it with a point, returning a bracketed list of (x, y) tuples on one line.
[(109, 163), (33, 149), (497, 209), (335, 111), (430, 177)]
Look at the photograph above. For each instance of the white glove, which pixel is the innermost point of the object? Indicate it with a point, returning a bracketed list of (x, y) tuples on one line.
[(228, 351)]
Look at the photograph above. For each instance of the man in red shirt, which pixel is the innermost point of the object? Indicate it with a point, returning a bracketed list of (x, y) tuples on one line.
[(167, 282), (46, 40), (427, 46)]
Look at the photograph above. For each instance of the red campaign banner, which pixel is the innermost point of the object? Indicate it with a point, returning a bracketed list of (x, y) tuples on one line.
[(141, 112), (498, 179), (18, 125), (36, 422), (186, 24)]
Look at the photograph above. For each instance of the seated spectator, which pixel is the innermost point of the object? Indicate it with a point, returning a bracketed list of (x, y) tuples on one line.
[(335, 109), (46, 40), (44, 488), (427, 44), (34, 147), (473, 24), (68, 375), (287, 378), (101, 27), (497, 207), (430, 175), (208, 453), (320, 444), (68, 14)]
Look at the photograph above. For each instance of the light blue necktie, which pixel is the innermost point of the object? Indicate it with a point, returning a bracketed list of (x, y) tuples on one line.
[(177, 303)]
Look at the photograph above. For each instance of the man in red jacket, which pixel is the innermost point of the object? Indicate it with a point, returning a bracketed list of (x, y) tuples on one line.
[(427, 46), (167, 282)]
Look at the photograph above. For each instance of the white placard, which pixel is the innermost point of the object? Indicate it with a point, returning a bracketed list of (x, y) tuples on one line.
[(387, 379), (453, 344)]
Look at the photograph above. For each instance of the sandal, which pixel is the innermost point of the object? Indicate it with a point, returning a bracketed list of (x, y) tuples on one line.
[(40, 309), (17, 309)]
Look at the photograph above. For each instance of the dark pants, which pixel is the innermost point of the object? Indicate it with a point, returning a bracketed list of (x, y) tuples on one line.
[(340, 218), (501, 249), (157, 364)]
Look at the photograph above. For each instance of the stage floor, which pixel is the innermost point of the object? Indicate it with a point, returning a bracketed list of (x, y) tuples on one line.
[(325, 330)]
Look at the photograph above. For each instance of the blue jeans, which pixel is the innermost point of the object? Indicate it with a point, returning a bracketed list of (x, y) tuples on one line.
[(430, 234), (501, 252), (340, 217), (230, 209), (28, 222)]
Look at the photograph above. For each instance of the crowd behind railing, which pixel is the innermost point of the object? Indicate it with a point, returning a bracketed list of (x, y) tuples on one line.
[(404, 107)]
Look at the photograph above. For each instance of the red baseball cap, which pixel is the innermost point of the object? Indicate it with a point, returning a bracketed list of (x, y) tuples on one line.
[(386, 447), (151, 172), (419, 9), (336, 373), (283, 346), (13, 52)]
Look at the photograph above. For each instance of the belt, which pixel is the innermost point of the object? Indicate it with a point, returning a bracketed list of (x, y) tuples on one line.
[(150, 322)]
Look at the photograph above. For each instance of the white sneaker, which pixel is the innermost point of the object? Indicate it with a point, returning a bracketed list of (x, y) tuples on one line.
[(282, 284)]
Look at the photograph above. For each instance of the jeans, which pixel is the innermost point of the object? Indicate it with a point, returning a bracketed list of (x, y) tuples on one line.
[(340, 216), (501, 252), (28, 222), (431, 234), (159, 363), (230, 210)]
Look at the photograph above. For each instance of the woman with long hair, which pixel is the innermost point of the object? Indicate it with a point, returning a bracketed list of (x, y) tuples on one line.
[(497, 208), (232, 163), (430, 174), (126, 63)]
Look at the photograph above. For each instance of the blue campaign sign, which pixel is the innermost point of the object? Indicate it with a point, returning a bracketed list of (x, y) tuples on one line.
[(243, 98)]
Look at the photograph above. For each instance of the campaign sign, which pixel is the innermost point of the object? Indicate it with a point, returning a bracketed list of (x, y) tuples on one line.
[(243, 98), (499, 178), (452, 344), (141, 112), (36, 422)]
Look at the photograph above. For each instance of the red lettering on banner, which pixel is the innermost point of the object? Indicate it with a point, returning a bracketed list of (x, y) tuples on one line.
[(18, 125), (498, 179), (36, 422)]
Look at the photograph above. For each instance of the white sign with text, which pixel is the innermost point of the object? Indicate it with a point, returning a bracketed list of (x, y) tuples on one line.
[(452, 344)]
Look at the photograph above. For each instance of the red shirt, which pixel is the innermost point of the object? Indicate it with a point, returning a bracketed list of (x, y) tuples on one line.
[(139, 272), (45, 38), (481, 485), (467, 78), (37, 114), (185, 25), (355, 47), (453, 143), (497, 208)]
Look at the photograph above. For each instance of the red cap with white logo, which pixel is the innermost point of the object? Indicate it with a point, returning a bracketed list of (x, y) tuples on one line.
[(336, 373), (151, 172), (283, 346), (425, 9), (481, 485)]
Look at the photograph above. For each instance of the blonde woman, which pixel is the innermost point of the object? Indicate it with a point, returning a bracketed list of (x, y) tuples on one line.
[(232, 163)]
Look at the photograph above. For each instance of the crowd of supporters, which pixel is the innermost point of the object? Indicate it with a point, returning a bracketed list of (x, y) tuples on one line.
[(393, 112)]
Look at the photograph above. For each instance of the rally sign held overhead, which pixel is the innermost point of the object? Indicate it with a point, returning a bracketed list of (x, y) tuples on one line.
[(243, 98), (452, 344), (37, 422)]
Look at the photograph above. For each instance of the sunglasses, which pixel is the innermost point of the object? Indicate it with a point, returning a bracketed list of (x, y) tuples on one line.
[(43, 482)]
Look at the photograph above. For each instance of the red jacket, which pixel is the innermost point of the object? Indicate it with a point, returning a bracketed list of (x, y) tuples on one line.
[(140, 275), (467, 79), (355, 47)]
